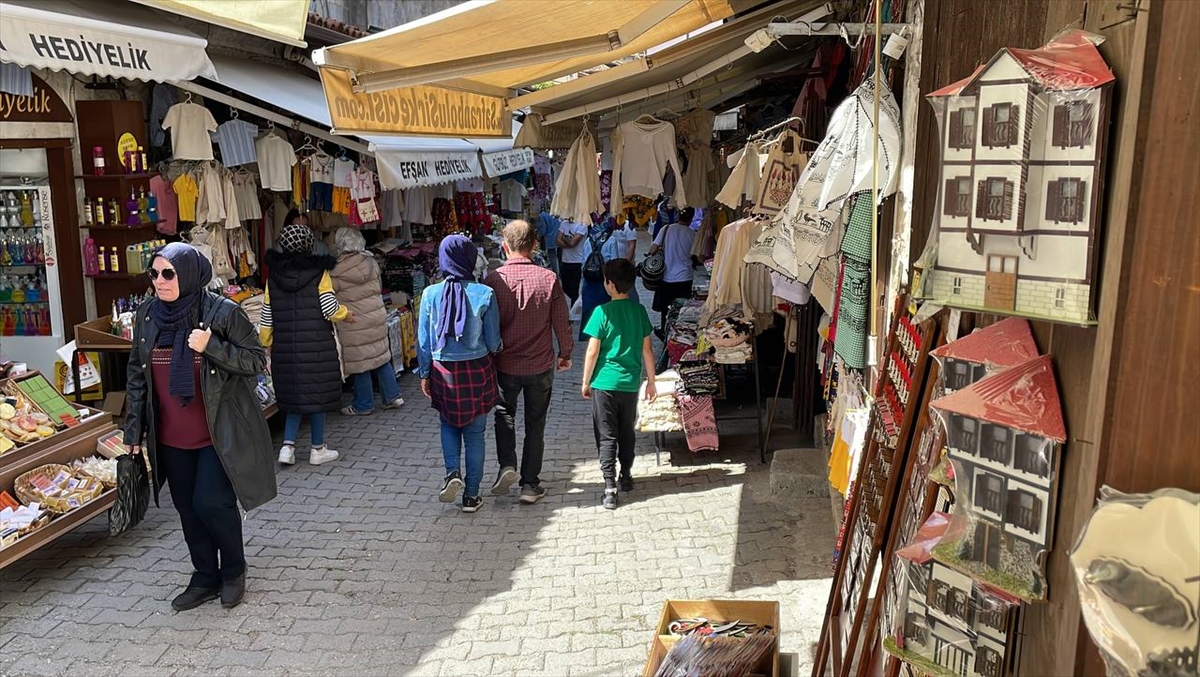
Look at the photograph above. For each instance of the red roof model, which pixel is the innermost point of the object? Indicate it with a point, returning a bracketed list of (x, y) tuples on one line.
[(1004, 344), (1023, 398), (1069, 61), (927, 538)]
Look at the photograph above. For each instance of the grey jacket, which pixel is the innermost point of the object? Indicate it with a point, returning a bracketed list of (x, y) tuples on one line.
[(229, 371)]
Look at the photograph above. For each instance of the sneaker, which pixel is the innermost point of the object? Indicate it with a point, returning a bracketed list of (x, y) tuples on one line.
[(287, 455), (450, 487), (351, 411), (626, 483), (233, 591), (610, 499), (531, 494), (193, 597), (322, 454), (395, 404), (504, 481), (471, 503)]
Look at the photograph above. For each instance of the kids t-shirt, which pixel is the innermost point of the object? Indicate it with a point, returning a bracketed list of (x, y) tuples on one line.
[(622, 326)]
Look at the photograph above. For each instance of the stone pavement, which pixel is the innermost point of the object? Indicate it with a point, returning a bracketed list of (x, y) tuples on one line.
[(357, 569)]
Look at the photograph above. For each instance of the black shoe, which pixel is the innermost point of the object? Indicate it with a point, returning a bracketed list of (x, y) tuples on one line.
[(233, 591), (531, 494), (450, 487), (626, 483), (504, 480), (471, 503), (610, 499), (193, 597)]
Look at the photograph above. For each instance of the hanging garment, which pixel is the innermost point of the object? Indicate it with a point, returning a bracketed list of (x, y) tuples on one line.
[(391, 207), (188, 191), (362, 191), (758, 298), (725, 282), (853, 318), (743, 182), (643, 152), (190, 126), (275, 161), (168, 205), (640, 210), (472, 211), (696, 178), (245, 188), (780, 173), (577, 193), (229, 201), (210, 205), (445, 221), (235, 138)]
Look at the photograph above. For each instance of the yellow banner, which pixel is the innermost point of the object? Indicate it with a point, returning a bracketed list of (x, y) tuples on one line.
[(419, 110)]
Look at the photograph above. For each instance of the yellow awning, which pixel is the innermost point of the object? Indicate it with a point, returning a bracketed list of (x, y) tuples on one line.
[(490, 46), (280, 20)]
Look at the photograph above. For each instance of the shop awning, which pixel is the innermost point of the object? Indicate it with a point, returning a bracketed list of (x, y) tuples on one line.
[(111, 39), (280, 20), (488, 46)]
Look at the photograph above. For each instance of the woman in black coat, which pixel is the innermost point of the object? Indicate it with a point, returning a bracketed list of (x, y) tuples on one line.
[(193, 368)]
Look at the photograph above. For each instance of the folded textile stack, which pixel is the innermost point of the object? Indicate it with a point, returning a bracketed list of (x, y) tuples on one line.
[(731, 341), (661, 415), (699, 421), (253, 307), (699, 375), (734, 355)]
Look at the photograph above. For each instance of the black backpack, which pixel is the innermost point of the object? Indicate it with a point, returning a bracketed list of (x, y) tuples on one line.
[(593, 267)]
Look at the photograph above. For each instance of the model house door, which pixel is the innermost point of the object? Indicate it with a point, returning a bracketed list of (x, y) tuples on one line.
[(1000, 283)]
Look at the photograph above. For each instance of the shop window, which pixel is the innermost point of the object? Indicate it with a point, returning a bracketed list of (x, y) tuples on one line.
[(1032, 455), (1024, 510), (987, 662), (997, 444), (1064, 200), (994, 201), (957, 198), (964, 434), (962, 128), (1072, 124), (1001, 125), (989, 493)]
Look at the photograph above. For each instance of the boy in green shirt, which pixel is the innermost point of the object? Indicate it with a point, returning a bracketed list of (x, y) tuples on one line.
[(618, 347)]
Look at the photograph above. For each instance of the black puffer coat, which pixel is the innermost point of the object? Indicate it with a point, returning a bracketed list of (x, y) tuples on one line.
[(304, 357), (229, 369)]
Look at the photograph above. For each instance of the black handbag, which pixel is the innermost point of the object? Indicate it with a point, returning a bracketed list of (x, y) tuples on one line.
[(654, 266), (133, 494)]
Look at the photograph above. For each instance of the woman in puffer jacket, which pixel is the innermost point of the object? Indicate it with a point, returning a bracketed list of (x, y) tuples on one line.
[(356, 282)]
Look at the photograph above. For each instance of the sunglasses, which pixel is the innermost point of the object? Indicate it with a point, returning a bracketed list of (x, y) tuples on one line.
[(168, 274)]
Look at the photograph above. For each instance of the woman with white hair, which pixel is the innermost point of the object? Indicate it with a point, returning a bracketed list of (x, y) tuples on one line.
[(356, 282)]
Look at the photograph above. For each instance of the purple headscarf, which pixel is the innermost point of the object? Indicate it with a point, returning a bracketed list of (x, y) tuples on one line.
[(456, 258)]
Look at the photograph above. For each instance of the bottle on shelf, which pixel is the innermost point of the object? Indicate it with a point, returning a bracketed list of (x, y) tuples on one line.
[(101, 212), (114, 260), (5, 289), (91, 258), (143, 164), (7, 323), (26, 210), (114, 213), (98, 160), (102, 261), (131, 207), (152, 208), (44, 321), (143, 206), (18, 291), (88, 216)]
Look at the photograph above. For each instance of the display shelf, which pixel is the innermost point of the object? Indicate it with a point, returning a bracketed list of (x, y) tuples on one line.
[(104, 227), (116, 177), (23, 303), (57, 527), (113, 276)]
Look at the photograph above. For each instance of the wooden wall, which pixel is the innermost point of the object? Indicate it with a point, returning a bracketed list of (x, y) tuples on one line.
[(1127, 384)]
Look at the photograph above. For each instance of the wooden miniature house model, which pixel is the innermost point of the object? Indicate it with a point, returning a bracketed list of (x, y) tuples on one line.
[(1004, 434), (1023, 141), (996, 347)]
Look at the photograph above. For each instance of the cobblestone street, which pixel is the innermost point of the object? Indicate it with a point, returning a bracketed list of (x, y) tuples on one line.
[(356, 568)]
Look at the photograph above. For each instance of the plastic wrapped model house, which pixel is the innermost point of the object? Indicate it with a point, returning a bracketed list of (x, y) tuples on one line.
[(1004, 434), (1023, 142), (996, 347)]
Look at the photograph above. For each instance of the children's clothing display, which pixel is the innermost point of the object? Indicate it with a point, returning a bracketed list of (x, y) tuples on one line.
[(187, 190), (362, 192), (245, 191), (236, 141), (743, 182), (210, 205), (780, 173), (577, 192), (643, 153), (190, 125), (275, 161), (168, 205)]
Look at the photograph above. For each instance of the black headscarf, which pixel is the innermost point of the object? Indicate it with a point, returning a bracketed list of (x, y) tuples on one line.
[(174, 318)]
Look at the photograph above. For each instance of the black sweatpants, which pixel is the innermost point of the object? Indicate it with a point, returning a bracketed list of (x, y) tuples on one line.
[(572, 275), (537, 390), (208, 510), (614, 415)]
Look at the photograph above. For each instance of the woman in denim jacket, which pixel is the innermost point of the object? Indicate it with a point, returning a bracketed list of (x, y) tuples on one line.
[(458, 330)]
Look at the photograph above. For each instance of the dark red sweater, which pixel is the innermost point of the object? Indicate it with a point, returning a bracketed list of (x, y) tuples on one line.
[(178, 426)]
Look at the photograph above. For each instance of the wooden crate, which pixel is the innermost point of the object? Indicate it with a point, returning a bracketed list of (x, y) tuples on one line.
[(760, 612), (98, 332)]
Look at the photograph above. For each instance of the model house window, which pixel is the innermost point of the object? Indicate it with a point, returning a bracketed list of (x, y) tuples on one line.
[(997, 444), (994, 199), (965, 434), (1064, 200), (989, 493), (1072, 125), (962, 128), (991, 614), (958, 197), (1060, 297), (950, 656), (957, 288), (1024, 510), (1031, 455), (987, 662), (915, 630), (987, 540), (959, 373), (1001, 125), (958, 605)]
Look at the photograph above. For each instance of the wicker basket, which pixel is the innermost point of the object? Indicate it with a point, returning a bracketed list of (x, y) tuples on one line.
[(35, 525), (27, 493)]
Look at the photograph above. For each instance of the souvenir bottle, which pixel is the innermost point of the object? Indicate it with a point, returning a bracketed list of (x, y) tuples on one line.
[(7, 323), (39, 247), (87, 213), (131, 208), (30, 322), (33, 292), (101, 212), (5, 289), (102, 261), (114, 260), (151, 208), (44, 321), (143, 164), (18, 291), (143, 206), (26, 210)]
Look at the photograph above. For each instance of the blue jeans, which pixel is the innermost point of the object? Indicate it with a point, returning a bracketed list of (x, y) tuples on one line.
[(469, 436), (364, 396), (291, 426)]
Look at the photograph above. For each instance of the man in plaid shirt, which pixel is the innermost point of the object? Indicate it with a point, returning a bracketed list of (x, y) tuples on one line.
[(532, 308)]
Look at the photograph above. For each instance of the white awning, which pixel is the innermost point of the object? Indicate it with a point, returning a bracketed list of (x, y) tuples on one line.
[(411, 166), (110, 39), (507, 161), (280, 20)]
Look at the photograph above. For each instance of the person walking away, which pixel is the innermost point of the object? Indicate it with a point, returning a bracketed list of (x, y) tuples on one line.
[(675, 241), (193, 368), (591, 285), (457, 331), (365, 351), (571, 235), (299, 307), (532, 308), (548, 225), (618, 350)]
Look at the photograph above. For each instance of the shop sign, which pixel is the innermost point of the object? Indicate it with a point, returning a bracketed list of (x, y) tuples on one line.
[(398, 169), (44, 105), (420, 110), (507, 161)]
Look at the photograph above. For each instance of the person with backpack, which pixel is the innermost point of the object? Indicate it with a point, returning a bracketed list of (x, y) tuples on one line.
[(591, 289)]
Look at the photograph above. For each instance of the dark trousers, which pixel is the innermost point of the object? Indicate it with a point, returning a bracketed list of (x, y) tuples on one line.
[(614, 415), (571, 273), (537, 389), (208, 510)]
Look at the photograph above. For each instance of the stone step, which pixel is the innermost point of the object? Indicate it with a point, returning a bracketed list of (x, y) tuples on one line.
[(799, 473)]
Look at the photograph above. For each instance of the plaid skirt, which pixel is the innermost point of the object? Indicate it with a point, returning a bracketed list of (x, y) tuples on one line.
[(463, 391)]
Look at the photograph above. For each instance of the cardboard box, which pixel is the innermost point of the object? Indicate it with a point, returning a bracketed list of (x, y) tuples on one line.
[(114, 403), (759, 612)]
